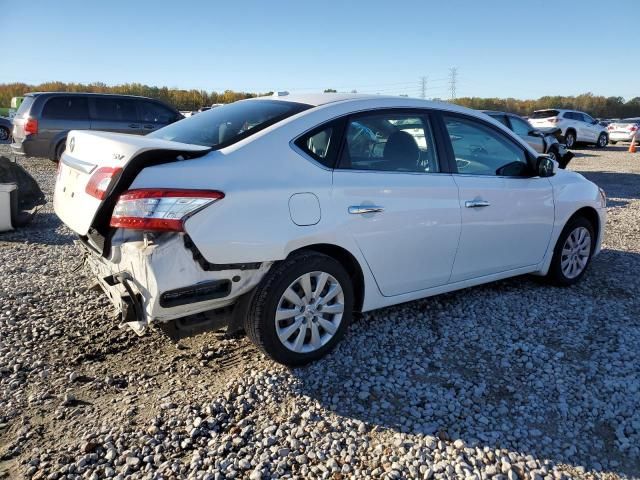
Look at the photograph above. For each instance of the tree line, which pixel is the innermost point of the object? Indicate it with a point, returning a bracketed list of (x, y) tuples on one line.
[(597, 106), (179, 98)]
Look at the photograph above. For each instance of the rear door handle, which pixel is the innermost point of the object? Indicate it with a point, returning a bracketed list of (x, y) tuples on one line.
[(362, 209), (476, 203), (134, 125), (149, 127)]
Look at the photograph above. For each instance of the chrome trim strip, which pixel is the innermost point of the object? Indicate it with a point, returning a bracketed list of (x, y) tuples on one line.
[(76, 164)]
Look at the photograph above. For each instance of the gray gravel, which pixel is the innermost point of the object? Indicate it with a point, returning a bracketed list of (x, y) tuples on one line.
[(508, 380)]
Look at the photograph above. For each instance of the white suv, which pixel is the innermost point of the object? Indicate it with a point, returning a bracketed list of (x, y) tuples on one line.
[(576, 126)]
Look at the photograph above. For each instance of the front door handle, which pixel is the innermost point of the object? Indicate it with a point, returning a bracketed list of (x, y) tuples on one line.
[(134, 125), (476, 203), (362, 209)]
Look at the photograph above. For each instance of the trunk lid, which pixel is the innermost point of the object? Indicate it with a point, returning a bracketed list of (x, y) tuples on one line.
[(88, 153)]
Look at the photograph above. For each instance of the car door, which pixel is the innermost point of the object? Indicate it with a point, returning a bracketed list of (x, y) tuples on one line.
[(524, 130), (507, 214), (114, 114), (154, 115), (60, 114), (393, 201), (591, 127)]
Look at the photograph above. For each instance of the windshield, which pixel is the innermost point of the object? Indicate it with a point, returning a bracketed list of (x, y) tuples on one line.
[(544, 114), (222, 126)]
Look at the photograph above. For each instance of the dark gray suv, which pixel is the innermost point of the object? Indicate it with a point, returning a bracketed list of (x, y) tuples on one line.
[(43, 120)]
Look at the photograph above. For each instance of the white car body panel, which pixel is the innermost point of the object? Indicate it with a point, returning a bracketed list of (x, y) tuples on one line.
[(85, 152), (513, 232), (278, 200)]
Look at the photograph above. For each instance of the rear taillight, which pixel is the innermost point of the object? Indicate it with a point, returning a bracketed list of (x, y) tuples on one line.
[(633, 128), (31, 126), (554, 120), (160, 209), (610, 127), (101, 180)]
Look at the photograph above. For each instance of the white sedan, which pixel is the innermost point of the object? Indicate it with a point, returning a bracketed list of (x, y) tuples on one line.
[(284, 215)]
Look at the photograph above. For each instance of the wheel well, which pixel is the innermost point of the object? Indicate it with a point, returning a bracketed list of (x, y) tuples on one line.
[(592, 217), (570, 129), (349, 262)]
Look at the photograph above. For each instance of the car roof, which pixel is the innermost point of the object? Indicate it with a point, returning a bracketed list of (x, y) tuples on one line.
[(93, 94)]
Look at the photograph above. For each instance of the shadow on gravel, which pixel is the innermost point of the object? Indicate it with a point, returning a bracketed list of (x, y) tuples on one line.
[(45, 229), (551, 372)]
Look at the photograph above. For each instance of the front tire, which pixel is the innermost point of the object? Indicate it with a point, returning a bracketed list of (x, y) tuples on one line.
[(570, 139), (5, 134), (602, 140), (572, 254), (60, 148), (554, 154), (301, 308)]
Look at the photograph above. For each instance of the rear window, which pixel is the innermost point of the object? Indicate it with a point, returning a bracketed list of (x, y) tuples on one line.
[(545, 114), (628, 121), (25, 106), (230, 123), (66, 108)]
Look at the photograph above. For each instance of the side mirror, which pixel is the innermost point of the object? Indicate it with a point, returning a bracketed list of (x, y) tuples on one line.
[(546, 167), (595, 122)]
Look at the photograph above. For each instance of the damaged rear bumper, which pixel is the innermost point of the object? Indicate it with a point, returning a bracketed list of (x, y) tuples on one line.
[(158, 280)]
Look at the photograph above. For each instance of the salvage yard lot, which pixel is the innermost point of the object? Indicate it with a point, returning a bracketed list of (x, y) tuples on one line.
[(513, 378)]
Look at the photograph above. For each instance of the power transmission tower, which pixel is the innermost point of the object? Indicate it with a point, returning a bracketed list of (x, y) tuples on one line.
[(423, 87), (453, 78)]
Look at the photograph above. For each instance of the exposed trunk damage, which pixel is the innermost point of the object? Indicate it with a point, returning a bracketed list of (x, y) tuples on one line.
[(148, 278)]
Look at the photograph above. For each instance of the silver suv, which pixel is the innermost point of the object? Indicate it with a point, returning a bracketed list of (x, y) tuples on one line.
[(577, 127), (43, 120)]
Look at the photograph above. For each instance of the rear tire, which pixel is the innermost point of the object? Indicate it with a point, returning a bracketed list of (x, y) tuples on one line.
[(570, 139), (554, 154), (572, 253), (302, 289), (60, 148)]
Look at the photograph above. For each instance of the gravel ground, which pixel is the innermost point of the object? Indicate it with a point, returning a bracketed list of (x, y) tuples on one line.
[(508, 380)]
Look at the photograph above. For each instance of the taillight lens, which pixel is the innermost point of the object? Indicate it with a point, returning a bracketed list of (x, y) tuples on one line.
[(633, 128), (160, 209), (100, 182), (610, 127), (31, 126)]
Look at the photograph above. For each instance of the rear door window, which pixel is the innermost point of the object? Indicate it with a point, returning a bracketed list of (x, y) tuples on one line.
[(66, 108), (115, 109), (389, 142), (152, 112)]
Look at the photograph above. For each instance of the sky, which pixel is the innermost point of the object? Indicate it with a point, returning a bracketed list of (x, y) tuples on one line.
[(500, 48)]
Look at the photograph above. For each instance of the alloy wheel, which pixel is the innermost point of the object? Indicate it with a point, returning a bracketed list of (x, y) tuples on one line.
[(309, 312), (4, 134), (575, 252)]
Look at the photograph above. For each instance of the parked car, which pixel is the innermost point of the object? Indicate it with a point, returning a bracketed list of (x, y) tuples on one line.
[(623, 130), (542, 140), (271, 214), (43, 120), (577, 127), (5, 129)]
